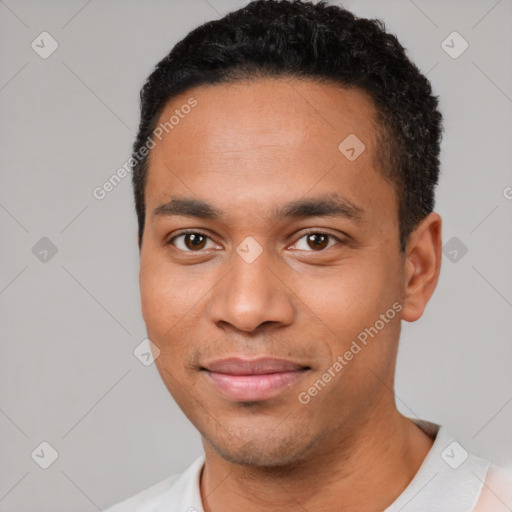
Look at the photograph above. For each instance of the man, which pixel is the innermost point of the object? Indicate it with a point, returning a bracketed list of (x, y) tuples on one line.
[(284, 176)]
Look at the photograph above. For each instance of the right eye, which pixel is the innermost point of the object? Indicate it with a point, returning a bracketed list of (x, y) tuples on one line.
[(190, 241)]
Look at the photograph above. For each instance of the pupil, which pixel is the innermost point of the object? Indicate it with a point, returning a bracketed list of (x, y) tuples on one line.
[(315, 236), (194, 241)]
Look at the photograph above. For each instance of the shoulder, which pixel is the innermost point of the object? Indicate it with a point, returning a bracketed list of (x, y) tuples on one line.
[(170, 494), (496, 493), (144, 499)]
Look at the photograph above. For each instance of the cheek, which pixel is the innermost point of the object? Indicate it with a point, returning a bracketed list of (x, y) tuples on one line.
[(350, 302), (166, 296), (156, 298), (167, 310), (345, 297)]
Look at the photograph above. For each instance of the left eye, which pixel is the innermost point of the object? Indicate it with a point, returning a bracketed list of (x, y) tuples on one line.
[(317, 241)]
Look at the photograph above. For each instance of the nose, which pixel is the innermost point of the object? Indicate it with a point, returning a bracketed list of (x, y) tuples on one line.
[(251, 294)]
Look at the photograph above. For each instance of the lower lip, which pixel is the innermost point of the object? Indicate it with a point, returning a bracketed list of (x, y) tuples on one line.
[(253, 388)]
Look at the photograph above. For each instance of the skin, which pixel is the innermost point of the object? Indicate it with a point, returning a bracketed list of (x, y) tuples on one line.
[(246, 149)]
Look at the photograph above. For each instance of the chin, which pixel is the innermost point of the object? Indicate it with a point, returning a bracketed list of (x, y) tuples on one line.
[(262, 450)]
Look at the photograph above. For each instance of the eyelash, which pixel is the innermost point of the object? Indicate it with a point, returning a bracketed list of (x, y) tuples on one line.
[(309, 232)]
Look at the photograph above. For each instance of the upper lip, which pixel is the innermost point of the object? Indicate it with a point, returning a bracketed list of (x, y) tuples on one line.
[(259, 366)]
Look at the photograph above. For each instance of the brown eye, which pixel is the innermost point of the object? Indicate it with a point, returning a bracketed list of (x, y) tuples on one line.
[(195, 241), (316, 241), (190, 241)]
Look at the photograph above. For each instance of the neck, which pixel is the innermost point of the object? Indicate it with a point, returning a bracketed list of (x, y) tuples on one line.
[(366, 470)]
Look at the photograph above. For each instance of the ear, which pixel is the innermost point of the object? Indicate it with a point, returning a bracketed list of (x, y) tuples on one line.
[(422, 266)]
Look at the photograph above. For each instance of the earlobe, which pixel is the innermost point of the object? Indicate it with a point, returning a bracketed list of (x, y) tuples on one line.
[(422, 266)]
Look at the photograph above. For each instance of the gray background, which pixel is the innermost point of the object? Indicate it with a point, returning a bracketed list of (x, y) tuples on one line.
[(70, 323)]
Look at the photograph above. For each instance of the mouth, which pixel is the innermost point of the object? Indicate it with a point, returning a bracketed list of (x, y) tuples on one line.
[(253, 380)]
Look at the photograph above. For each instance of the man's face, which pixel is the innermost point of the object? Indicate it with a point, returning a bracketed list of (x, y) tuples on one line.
[(258, 303)]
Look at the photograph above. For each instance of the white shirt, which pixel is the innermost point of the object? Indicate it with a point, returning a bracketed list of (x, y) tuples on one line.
[(449, 480)]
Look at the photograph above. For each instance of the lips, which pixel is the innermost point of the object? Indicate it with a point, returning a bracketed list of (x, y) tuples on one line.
[(253, 380)]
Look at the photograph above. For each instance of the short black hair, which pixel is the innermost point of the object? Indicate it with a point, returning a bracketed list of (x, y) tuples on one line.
[(325, 43)]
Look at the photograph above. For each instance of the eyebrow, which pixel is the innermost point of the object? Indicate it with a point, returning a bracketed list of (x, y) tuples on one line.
[(323, 206)]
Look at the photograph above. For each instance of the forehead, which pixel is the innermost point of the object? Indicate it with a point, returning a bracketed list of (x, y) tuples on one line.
[(255, 142), (241, 115)]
